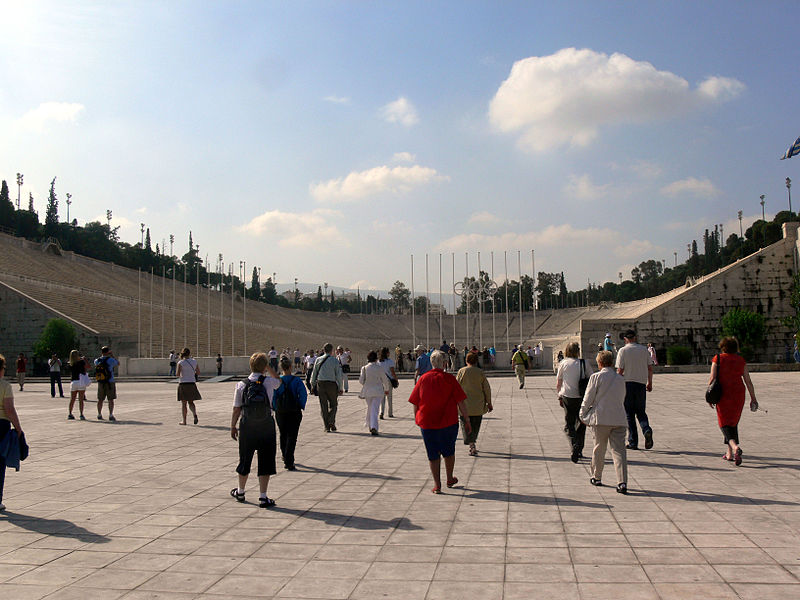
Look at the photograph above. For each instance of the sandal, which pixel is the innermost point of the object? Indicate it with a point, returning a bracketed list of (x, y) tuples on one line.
[(437, 489), (452, 482), (726, 457), (266, 502), (235, 494), (737, 460)]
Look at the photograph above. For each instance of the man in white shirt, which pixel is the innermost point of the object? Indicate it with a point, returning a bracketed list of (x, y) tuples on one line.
[(636, 366), (273, 358)]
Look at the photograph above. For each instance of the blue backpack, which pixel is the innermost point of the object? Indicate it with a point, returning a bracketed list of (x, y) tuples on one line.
[(285, 400)]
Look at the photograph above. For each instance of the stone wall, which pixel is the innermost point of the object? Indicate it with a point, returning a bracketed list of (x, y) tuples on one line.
[(23, 318), (761, 282)]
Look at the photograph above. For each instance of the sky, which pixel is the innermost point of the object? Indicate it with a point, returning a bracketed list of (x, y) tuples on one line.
[(330, 141)]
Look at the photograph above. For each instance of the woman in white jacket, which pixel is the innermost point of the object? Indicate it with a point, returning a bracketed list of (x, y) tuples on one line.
[(374, 385), (603, 409)]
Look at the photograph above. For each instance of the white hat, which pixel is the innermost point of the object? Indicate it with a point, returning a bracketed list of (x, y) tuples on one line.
[(419, 347), (608, 335)]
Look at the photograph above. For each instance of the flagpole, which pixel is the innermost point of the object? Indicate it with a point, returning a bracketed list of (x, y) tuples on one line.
[(465, 295), (441, 306), (505, 261), (139, 321), (533, 291), (453, 256), (427, 308), (494, 333), (479, 289), (152, 280), (519, 267), (413, 314)]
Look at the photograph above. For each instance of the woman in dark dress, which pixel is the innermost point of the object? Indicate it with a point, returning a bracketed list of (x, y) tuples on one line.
[(733, 376)]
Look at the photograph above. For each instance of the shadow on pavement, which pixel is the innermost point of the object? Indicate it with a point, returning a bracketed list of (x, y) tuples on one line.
[(355, 474), (365, 523), (691, 496), (53, 527), (527, 499)]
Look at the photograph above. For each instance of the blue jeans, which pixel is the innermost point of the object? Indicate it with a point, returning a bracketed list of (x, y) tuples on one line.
[(635, 409)]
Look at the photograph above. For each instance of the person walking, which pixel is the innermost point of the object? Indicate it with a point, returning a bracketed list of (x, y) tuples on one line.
[(22, 367), (438, 401), (423, 364), (634, 363), (188, 373), (603, 409), (252, 401), (54, 363), (78, 381), (326, 379), (8, 417), (344, 362), (374, 386), (388, 366), (106, 386), (173, 362), (571, 380), (288, 403), (520, 361), (479, 399), (731, 370), (652, 351)]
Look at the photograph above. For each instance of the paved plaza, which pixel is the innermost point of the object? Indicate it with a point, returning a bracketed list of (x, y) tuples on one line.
[(140, 508)]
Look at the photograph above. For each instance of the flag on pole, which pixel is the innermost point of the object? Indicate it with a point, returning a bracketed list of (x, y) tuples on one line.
[(793, 150)]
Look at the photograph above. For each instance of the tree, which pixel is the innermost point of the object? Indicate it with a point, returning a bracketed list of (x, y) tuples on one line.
[(269, 293), (147, 244), (255, 286), (400, 295), (58, 337), (748, 327), (30, 203), (51, 214), (6, 207)]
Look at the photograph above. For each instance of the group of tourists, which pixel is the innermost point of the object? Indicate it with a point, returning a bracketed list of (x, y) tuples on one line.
[(611, 401), (268, 405)]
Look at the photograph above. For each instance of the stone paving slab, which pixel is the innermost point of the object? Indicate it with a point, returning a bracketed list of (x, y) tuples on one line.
[(139, 509)]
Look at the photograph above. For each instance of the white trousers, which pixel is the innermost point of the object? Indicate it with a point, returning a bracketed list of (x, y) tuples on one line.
[(373, 406), (387, 399)]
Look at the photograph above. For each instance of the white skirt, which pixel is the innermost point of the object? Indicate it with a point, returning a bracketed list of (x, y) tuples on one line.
[(77, 386)]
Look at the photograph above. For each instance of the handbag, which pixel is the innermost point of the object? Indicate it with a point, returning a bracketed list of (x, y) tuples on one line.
[(583, 381), (714, 389), (84, 380), (393, 381)]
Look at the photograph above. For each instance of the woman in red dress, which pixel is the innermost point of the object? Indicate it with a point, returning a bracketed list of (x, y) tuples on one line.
[(733, 376)]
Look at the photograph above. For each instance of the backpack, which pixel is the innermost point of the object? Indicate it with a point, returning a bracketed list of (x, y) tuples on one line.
[(101, 371), (284, 400), (255, 404)]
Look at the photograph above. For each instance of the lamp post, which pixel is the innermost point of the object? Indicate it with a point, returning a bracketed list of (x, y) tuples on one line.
[(676, 258), (20, 177), (741, 235), (763, 219), (69, 201), (172, 243), (141, 225), (789, 190)]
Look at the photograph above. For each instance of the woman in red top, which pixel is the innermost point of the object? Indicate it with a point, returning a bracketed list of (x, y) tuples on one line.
[(438, 399), (733, 376)]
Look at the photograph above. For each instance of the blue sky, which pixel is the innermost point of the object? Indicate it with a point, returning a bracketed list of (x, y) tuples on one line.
[(330, 140)]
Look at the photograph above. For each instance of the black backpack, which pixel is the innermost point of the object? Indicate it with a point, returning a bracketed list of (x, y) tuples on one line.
[(285, 400), (255, 403)]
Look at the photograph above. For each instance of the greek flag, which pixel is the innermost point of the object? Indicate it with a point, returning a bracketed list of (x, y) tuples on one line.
[(793, 149)]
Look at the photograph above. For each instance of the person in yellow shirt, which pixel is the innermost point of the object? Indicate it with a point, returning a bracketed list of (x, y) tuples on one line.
[(479, 399), (520, 361)]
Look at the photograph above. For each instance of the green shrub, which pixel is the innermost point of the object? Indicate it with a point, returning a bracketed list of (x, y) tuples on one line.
[(679, 355), (58, 337), (748, 327)]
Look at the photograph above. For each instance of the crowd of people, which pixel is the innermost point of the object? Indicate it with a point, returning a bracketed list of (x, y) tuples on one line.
[(268, 405)]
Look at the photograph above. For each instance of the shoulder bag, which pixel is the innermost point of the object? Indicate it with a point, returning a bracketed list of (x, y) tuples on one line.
[(714, 389), (314, 391)]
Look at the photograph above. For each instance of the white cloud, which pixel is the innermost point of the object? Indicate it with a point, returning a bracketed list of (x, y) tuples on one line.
[(552, 236), (362, 284), (403, 157), (646, 169), (337, 99), (634, 249), (297, 230), (37, 118), (484, 218), (400, 111), (701, 188), (564, 98), (582, 188), (384, 179)]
